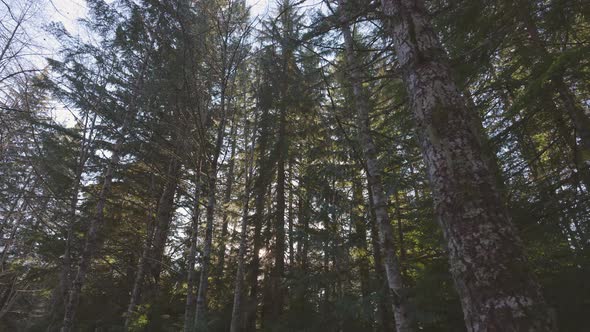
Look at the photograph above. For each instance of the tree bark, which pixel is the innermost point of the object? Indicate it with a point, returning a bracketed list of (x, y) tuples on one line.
[(201, 308), (139, 275), (90, 244), (201, 304), (153, 251), (236, 323), (98, 220), (237, 315), (95, 224), (61, 293), (278, 249), (225, 217), (189, 309), (403, 318), (497, 290), (290, 218), (360, 242), (163, 218), (385, 320)]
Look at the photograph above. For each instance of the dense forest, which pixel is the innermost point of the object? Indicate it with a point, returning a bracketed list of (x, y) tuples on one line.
[(329, 165)]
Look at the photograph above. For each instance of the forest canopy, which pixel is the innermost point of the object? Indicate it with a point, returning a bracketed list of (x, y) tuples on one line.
[(326, 165)]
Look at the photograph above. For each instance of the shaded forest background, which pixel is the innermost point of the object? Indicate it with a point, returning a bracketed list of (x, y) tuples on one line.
[(273, 173)]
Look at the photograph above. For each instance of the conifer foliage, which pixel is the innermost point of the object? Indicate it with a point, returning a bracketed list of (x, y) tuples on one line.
[(330, 165)]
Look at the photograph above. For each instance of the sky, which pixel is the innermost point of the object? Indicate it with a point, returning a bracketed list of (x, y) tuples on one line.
[(67, 11), (259, 7)]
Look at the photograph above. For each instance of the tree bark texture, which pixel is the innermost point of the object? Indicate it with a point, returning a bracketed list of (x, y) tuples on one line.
[(401, 311), (237, 309), (497, 290), (163, 218), (153, 250), (94, 227), (201, 305), (191, 299), (260, 189), (225, 217)]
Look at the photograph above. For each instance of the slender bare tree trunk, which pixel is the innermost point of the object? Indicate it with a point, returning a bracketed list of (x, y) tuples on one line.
[(98, 220), (497, 290), (225, 217), (163, 218), (360, 242), (65, 274), (8, 243), (95, 224), (191, 298), (201, 305), (141, 266), (153, 250), (278, 249), (237, 315), (60, 293), (236, 318), (385, 320), (260, 187), (401, 311), (290, 218), (299, 302), (252, 308)]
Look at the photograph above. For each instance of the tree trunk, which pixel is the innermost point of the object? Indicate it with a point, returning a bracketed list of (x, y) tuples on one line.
[(90, 244), (225, 218), (260, 189), (95, 224), (236, 318), (201, 309), (290, 218), (497, 290), (385, 319), (400, 233), (300, 302), (163, 218), (98, 220), (278, 249), (401, 311), (153, 250), (141, 266), (60, 294), (360, 242), (191, 299)]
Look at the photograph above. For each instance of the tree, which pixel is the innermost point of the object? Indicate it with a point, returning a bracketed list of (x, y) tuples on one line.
[(387, 245), (219, 171), (496, 288)]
